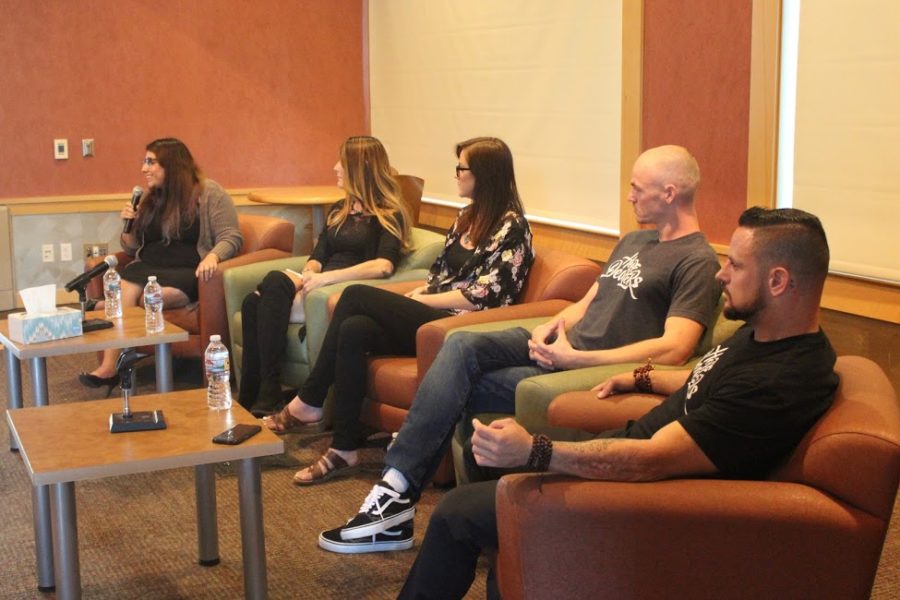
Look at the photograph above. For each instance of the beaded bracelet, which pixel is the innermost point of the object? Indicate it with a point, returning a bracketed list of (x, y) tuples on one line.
[(642, 381), (541, 451)]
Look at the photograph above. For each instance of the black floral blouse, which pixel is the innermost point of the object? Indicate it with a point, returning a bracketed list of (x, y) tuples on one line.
[(495, 273)]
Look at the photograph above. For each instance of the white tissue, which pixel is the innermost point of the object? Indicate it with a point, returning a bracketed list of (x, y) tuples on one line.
[(40, 300)]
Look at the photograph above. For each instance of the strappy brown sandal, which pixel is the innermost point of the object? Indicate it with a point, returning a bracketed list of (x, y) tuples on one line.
[(328, 466), (285, 422)]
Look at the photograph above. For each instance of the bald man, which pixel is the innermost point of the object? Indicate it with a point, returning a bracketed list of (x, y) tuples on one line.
[(654, 299)]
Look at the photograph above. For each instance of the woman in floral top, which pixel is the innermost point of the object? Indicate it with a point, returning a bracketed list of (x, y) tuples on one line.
[(485, 260)]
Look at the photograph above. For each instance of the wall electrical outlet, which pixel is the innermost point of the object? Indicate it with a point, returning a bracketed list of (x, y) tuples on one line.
[(94, 249), (61, 149), (65, 251), (47, 253)]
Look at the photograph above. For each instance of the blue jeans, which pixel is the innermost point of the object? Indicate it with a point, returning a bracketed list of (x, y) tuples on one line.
[(473, 372)]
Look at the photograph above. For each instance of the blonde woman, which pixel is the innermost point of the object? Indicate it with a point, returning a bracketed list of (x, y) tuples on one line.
[(363, 238)]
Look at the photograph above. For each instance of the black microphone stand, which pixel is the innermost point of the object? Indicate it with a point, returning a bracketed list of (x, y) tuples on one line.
[(128, 420), (89, 324)]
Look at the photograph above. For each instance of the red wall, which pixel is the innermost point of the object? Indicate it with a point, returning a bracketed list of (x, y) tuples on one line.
[(696, 85), (262, 92)]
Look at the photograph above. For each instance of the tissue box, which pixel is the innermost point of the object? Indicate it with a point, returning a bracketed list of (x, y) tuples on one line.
[(29, 329)]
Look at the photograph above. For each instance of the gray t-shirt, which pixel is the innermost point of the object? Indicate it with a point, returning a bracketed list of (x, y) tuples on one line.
[(645, 282)]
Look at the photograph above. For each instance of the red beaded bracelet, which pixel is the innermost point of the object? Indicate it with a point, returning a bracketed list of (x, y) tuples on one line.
[(642, 381), (541, 451)]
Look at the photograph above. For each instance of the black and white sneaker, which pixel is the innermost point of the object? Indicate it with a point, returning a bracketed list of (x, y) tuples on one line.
[(390, 540), (383, 508)]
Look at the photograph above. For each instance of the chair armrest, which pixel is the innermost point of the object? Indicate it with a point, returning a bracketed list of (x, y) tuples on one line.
[(535, 395), (430, 336), (679, 538), (584, 411)]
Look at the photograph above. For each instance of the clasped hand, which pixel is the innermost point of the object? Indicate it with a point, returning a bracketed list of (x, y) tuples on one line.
[(549, 346)]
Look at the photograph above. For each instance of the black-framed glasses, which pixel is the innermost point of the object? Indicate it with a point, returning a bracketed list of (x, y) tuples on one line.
[(460, 169), (149, 161)]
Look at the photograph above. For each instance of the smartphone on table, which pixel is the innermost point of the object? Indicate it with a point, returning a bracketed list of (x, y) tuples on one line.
[(237, 434)]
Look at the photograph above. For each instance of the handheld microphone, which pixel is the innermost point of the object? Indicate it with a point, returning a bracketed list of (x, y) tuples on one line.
[(82, 280), (136, 194)]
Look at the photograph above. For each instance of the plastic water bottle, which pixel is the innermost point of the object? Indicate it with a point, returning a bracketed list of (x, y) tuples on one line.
[(218, 374), (153, 306), (112, 294)]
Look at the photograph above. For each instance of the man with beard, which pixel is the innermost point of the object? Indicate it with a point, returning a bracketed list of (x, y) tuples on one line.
[(736, 414)]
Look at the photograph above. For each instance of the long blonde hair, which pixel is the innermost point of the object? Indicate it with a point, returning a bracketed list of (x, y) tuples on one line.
[(368, 179)]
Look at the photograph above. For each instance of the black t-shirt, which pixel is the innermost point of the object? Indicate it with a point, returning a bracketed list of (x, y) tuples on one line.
[(747, 404)]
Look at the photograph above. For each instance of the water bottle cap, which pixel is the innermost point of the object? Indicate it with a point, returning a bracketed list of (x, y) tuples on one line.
[(215, 338), (151, 278)]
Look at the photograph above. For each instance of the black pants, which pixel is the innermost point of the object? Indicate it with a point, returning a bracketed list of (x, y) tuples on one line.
[(264, 322), (463, 525), (367, 320)]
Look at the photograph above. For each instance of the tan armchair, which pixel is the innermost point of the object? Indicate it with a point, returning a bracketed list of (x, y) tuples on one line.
[(814, 529), (265, 238)]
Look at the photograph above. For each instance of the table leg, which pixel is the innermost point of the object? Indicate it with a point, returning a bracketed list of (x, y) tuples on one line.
[(14, 389), (253, 543), (43, 536), (207, 529), (39, 381), (164, 381), (65, 541)]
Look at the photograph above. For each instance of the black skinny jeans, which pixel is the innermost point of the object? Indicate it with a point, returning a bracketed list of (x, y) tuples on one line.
[(264, 320), (367, 320)]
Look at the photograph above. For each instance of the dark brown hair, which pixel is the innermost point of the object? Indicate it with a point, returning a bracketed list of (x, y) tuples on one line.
[(495, 193), (176, 199)]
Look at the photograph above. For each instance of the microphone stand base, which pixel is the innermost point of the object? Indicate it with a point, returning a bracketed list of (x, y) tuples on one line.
[(142, 420), (95, 325)]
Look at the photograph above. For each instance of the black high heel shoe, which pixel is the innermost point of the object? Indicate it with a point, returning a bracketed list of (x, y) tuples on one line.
[(92, 381)]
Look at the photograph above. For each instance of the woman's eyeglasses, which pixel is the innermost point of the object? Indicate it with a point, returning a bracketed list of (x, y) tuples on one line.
[(460, 169), (149, 161)]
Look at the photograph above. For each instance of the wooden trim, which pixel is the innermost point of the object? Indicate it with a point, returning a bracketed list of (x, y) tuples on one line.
[(864, 298), (632, 94), (765, 63), (49, 205)]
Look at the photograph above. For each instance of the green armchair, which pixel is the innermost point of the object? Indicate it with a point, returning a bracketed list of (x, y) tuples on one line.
[(534, 395), (301, 355)]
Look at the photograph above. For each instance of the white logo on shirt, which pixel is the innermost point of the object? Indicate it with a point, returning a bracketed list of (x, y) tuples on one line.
[(705, 365), (627, 273)]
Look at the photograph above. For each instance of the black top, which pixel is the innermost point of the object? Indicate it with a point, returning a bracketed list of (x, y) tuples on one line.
[(747, 404), (174, 264), (360, 238)]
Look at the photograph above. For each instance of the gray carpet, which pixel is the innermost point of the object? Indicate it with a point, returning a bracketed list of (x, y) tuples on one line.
[(137, 535)]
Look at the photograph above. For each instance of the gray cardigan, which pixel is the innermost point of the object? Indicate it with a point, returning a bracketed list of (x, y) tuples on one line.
[(219, 231)]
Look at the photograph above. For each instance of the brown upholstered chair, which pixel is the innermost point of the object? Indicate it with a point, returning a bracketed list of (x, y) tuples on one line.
[(411, 189), (265, 238), (556, 279), (814, 529)]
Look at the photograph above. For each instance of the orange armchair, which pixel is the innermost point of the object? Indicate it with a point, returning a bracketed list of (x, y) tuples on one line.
[(814, 529), (265, 238), (555, 280)]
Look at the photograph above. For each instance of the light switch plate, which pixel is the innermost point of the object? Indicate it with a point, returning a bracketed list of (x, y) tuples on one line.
[(87, 147), (61, 149)]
